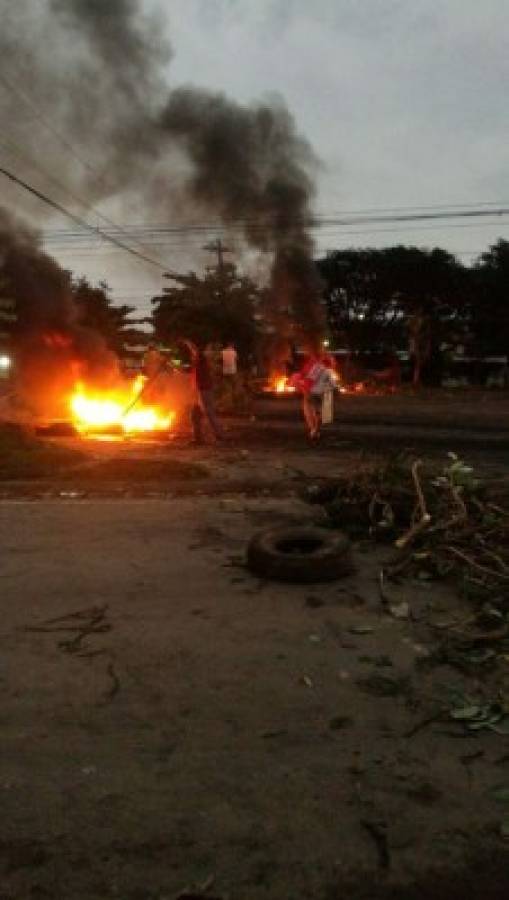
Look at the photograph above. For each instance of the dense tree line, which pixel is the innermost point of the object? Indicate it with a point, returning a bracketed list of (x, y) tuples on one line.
[(405, 297)]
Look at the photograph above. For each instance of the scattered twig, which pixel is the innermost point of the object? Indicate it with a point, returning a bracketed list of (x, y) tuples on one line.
[(420, 726), (420, 496), (468, 758), (498, 509), (412, 532), (378, 833), (497, 559), (96, 626), (91, 612), (484, 637), (115, 683), (78, 626), (384, 596), (425, 519), (475, 565), (199, 891)]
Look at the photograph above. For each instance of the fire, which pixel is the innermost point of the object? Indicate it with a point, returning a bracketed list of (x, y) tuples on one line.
[(279, 385), (95, 409)]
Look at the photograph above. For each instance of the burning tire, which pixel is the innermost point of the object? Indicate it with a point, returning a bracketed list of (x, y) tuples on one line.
[(302, 555)]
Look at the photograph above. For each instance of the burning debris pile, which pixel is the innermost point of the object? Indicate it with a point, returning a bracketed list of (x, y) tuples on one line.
[(65, 369), (121, 408)]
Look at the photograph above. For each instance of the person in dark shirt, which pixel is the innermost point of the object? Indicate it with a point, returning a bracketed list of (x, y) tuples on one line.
[(203, 405)]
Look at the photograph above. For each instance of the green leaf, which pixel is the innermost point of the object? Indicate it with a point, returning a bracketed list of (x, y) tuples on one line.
[(502, 727), (466, 713)]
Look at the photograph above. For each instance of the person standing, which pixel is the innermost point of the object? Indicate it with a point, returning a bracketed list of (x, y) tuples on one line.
[(314, 381), (230, 361), (203, 405), (231, 394), (153, 362)]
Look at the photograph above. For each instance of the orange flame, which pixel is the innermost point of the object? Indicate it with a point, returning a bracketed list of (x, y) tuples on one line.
[(280, 385), (94, 409)]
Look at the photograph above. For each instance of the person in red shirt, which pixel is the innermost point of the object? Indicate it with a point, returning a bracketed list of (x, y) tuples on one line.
[(313, 380), (203, 405)]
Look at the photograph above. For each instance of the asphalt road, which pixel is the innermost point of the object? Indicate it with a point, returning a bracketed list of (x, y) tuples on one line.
[(169, 720), (477, 423)]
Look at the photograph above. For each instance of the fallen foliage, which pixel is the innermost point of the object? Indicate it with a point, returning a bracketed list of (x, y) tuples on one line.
[(444, 522)]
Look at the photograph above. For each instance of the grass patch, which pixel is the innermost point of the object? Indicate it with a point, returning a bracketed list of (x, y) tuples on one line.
[(23, 456)]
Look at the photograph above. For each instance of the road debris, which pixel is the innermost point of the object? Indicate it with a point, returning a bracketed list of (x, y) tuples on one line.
[(378, 832), (361, 629), (444, 522), (491, 716), (82, 624), (199, 891)]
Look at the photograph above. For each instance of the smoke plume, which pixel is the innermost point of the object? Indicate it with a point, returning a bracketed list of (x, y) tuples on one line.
[(53, 348), (99, 71)]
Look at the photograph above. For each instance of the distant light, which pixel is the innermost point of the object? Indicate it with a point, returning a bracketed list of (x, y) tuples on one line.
[(361, 315), (5, 362), (325, 343)]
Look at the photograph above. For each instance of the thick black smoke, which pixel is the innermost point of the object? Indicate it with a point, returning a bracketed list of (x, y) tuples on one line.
[(101, 72), (53, 348), (250, 166)]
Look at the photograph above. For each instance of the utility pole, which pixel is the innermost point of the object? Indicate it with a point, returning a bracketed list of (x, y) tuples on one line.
[(219, 248)]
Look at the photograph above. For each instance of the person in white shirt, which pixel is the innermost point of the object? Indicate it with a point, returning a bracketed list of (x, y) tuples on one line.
[(229, 360)]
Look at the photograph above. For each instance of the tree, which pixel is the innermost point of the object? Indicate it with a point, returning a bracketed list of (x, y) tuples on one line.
[(396, 296), (490, 301), (220, 306), (361, 314), (96, 311)]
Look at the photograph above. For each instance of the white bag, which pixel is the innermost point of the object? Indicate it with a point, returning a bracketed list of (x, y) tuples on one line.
[(328, 408)]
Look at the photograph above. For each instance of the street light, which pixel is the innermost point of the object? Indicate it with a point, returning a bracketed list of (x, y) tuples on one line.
[(5, 362)]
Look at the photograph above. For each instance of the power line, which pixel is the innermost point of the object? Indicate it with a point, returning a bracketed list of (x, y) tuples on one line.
[(39, 117), (313, 224), (78, 220), (191, 244), (54, 181)]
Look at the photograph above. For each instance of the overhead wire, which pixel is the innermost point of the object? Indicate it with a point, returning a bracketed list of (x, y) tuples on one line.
[(82, 222), (315, 223), (63, 140)]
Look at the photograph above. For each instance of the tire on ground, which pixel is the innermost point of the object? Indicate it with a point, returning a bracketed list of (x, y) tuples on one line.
[(302, 555)]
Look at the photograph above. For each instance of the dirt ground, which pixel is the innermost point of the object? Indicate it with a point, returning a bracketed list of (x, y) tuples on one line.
[(174, 726)]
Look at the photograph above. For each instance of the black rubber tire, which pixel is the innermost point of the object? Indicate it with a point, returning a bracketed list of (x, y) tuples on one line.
[(323, 555)]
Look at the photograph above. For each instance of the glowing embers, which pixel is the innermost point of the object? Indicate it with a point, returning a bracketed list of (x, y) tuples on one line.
[(122, 409)]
